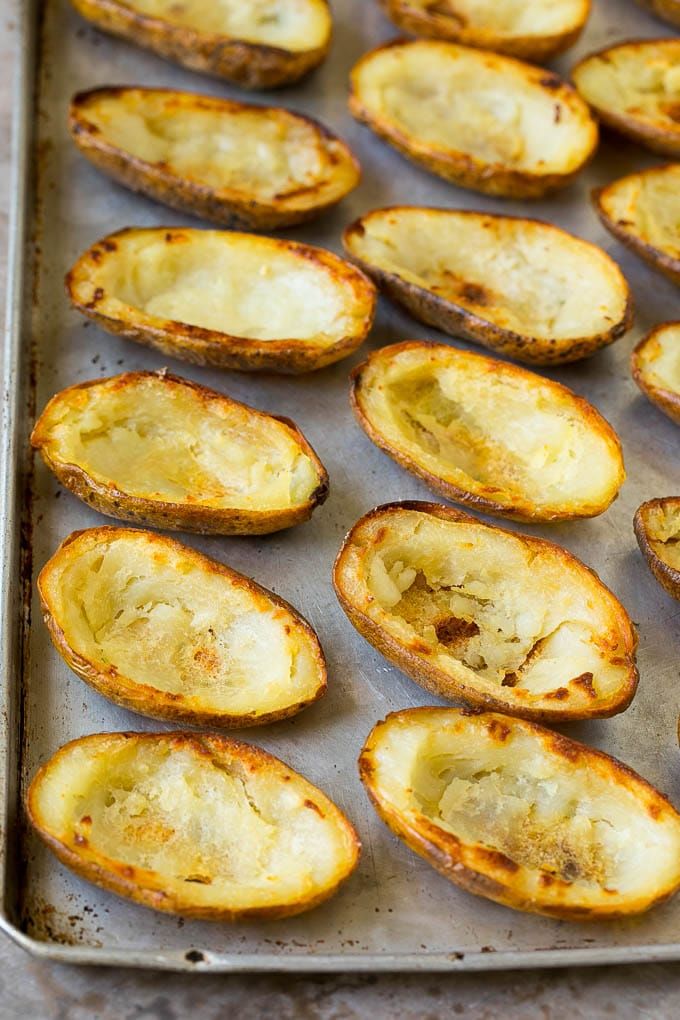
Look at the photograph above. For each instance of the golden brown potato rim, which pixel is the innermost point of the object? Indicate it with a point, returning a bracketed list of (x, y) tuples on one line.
[(666, 400), (667, 10), (667, 575)]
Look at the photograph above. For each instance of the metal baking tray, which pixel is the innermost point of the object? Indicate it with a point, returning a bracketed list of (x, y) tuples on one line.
[(396, 913)]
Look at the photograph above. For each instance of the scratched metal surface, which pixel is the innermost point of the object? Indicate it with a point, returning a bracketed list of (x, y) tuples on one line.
[(395, 913)]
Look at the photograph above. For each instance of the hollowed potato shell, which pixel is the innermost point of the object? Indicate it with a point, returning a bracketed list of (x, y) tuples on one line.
[(642, 210), (667, 10), (192, 824), (488, 616), (155, 449), (657, 529), (521, 815), (167, 632), (634, 88), (519, 286), (233, 163), (488, 434), (537, 30), (226, 43), (480, 120), (234, 301), (655, 364)]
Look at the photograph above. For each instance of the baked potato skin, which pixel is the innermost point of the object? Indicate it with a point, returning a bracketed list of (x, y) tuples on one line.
[(458, 321), (666, 400), (667, 576), (200, 346), (201, 520), (489, 873), (157, 182), (250, 65), (667, 10), (150, 701), (141, 886), (435, 680), (536, 48)]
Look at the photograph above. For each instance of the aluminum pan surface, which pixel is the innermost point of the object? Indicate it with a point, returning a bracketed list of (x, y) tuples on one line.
[(396, 913)]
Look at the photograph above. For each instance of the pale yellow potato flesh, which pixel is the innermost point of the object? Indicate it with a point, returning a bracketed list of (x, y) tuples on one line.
[(659, 359), (524, 18), (647, 207), (663, 531)]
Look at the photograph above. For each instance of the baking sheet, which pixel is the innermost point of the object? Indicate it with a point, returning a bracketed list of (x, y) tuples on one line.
[(396, 912)]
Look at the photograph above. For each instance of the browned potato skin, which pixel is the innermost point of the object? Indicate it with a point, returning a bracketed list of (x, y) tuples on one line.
[(201, 346), (435, 680), (666, 400), (667, 10), (537, 49), (465, 170), (457, 321), (200, 520), (150, 701), (248, 64), (667, 576), (657, 259), (181, 193), (124, 880), (443, 850)]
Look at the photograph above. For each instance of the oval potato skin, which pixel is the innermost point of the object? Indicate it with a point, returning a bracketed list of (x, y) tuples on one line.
[(507, 868), (228, 765), (499, 172), (652, 374), (241, 205), (444, 21), (104, 494), (91, 286), (627, 206), (252, 65), (440, 642), (492, 384), (468, 301), (601, 77), (657, 529), (667, 10), (111, 671)]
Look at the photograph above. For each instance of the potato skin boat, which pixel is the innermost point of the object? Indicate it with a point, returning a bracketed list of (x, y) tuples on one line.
[(666, 397), (665, 573)]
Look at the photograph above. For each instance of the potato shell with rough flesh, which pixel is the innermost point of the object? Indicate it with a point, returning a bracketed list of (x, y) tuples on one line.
[(657, 529), (488, 800), (196, 825), (155, 449), (518, 286), (655, 365)]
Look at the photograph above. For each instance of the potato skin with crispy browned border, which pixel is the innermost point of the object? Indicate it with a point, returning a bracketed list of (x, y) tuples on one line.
[(667, 10), (661, 390), (252, 65), (77, 841), (655, 521), (508, 867)]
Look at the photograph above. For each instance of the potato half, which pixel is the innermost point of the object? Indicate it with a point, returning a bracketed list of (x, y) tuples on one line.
[(667, 10), (642, 210), (152, 448), (235, 301), (521, 815), (657, 529), (192, 824), (533, 30), (478, 119), (259, 45), (635, 89), (492, 617), (233, 163), (160, 629), (518, 286), (488, 434), (655, 363)]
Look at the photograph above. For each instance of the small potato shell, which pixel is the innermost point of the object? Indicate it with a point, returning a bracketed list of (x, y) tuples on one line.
[(535, 30), (480, 120), (521, 815), (634, 88), (220, 298), (225, 40), (667, 10), (519, 286), (494, 618), (642, 211), (655, 364), (167, 632), (488, 434), (155, 449), (192, 824), (236, 164), (657, 529)]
